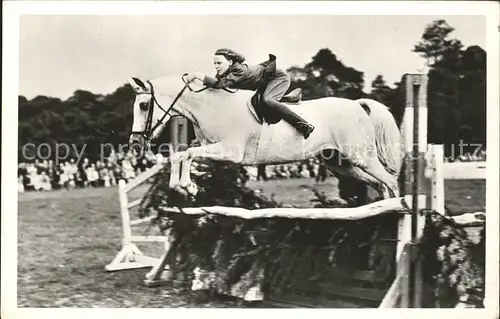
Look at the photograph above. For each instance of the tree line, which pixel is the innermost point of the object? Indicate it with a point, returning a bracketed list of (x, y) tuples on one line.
[(456, 99)]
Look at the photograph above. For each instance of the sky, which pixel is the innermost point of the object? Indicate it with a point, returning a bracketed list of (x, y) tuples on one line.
[(61, 54)]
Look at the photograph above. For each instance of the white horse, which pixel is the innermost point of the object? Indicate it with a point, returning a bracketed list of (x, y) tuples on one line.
[(357, 138)]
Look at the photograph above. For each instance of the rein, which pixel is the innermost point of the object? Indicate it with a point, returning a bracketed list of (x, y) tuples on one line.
[(203, 89), (148, 130)]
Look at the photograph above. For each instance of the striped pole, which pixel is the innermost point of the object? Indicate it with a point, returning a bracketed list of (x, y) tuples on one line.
[(416, 92), (415, 184)]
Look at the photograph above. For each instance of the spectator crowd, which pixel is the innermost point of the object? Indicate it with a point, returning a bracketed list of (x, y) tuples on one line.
[(45, 175), (311, 168)]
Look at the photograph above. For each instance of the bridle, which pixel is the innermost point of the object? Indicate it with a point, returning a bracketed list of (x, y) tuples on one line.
[(149, 128)]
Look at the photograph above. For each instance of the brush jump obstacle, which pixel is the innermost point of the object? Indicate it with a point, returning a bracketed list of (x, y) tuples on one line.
[(422, 188)]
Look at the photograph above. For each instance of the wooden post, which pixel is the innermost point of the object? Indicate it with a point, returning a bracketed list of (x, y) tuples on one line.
[(179, 133), (182, 132), (397, 295), (173, 133), (405, 275), (437, 178), (122, 196), (154, 277), (415, 145)]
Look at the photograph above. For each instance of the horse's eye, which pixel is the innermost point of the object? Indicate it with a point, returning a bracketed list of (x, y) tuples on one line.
[(144, 106)]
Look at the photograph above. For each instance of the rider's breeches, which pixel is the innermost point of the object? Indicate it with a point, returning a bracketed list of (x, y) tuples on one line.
[(275, 90)]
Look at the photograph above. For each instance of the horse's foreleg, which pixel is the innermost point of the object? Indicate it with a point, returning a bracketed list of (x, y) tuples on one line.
[(174, 170), (186, 172), (217, 152), (181, 177)]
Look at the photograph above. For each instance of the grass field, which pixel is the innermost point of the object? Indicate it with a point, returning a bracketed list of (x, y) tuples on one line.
[(67, 237)]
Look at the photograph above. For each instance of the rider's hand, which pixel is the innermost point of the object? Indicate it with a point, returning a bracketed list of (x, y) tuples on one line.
[(193, 76), (190, 77)]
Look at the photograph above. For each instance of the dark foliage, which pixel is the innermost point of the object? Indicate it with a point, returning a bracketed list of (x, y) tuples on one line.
[(454, 266)]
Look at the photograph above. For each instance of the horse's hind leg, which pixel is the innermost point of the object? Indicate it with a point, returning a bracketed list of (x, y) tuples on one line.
[(374, 173), (345, 168), (360, 175), (375, 169)]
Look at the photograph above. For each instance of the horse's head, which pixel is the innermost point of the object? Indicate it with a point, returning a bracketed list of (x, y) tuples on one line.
[(149, 116)]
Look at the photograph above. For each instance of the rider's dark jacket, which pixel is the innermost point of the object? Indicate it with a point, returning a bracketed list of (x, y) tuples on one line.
[(244, 77)]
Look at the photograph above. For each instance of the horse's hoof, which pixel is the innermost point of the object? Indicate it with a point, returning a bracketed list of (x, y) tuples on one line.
[(340, 201), (173, 185), (181, 190), (192, 189)]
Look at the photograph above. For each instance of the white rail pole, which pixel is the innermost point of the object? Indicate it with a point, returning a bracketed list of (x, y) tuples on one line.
[(126, 228)]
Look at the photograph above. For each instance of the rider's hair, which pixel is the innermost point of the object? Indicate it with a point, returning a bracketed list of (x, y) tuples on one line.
[(231, 55)]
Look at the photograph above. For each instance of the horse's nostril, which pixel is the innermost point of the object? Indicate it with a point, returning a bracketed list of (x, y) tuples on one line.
[(135, 147)]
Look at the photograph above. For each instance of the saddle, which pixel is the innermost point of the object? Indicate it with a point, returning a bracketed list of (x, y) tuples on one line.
[(266, 114)]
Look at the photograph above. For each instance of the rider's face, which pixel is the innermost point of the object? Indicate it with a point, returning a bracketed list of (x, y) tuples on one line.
[(221, 64)]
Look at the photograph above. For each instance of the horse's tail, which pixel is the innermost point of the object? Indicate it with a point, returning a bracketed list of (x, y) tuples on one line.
[(387, 135)]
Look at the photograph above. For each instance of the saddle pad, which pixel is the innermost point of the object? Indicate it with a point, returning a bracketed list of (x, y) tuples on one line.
[(265, 142), (253, 112)]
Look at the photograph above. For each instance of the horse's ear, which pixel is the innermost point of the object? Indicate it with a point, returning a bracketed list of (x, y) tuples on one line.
[(137, 84)]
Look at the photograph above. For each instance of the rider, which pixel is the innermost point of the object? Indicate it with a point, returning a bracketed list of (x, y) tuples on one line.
[(233, 73)]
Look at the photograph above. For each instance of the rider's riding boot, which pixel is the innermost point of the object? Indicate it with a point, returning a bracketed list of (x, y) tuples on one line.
[(291, 117), (305, 128)]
